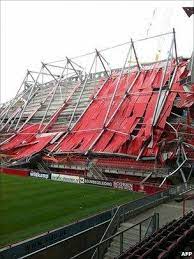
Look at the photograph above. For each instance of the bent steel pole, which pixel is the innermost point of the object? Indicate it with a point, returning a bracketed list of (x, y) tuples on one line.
[(172, 173), (176, 132)]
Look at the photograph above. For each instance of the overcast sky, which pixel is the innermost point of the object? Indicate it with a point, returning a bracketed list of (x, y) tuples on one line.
[(35, 31)]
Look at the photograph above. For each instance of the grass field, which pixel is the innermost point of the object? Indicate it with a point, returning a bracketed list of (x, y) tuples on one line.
[(30, 206)]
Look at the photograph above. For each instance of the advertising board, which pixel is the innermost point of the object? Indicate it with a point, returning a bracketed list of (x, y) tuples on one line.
[(98, 182), (66, 178), (39, 175), (123, 186)]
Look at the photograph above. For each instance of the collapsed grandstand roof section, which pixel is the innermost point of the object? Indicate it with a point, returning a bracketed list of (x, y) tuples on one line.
[(91, 107), (109, 123)]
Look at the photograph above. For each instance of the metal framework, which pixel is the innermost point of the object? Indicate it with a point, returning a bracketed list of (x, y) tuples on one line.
[(57, 98)]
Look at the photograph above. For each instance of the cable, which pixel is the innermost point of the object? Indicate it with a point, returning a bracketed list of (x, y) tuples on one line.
[(150, 24), (115, 46)]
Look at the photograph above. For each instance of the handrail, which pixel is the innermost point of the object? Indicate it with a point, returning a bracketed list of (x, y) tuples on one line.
[(109, 229), (115, 235), (146, 233)]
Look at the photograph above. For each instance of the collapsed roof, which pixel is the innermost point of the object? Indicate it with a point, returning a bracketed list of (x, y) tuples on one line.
[(143, 113)]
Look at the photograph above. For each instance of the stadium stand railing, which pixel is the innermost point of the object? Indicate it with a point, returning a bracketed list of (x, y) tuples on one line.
[(151, 224), (166, 242)]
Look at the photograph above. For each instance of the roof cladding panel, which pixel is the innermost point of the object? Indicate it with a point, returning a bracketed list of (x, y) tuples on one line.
[(25, 136), (94, 118), (33, 147), (130, 117)]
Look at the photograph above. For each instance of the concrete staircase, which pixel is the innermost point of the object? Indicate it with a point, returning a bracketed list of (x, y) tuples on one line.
[(130, 238)]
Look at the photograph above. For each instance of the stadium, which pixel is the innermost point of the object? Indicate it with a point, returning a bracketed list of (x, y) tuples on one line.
[(93, 145)]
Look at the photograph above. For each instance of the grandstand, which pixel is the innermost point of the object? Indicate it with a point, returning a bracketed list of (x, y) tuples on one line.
[(119, 117), (133, 123)]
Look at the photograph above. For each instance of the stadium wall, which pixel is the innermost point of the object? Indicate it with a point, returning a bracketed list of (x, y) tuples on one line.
[(20, 172)]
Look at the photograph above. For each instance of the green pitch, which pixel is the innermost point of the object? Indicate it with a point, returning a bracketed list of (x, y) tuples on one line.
[(30, 206)]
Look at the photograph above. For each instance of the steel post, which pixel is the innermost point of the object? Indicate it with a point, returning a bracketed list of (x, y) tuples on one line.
[(136, 58), (121, 243), (140, 232), (99, 56), (175, 47)]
